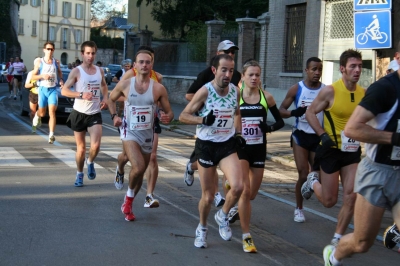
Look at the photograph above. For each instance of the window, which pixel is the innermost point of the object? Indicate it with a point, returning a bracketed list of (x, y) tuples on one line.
[(65, 38), (53, 7), (79, 11), (35, 2), (295, 31), (339, 22), (21, 26), (67, 9), (52, 33), (78, 36), (33, 27), (24, 2)]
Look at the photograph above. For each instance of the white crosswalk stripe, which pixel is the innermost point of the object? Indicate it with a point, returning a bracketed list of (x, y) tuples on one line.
[(67, 156), (10, 157)]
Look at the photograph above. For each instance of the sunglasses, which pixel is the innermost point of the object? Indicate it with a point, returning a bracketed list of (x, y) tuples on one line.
[(50, 49), (229, 51)]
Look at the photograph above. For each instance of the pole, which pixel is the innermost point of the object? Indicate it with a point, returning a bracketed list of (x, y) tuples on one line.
[(125, 35)]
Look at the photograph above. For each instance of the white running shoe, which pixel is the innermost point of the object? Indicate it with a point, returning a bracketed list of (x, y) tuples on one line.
[(218, 200), (188, 177), (299, 216), (151, 202), (306, 188), (335, 241), (224, 230), (118, 180), (52, 139), (233, 214), (201, 238)]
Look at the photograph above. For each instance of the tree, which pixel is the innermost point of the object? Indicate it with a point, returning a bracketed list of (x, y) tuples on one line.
[(102, 10), (177, 17), (9, 34)]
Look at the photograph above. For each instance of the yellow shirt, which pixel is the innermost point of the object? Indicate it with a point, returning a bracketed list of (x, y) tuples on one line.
[(344, 103), (34, 90)]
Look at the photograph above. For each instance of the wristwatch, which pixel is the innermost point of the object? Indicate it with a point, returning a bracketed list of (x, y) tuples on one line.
[(112, 116), (81, 95)]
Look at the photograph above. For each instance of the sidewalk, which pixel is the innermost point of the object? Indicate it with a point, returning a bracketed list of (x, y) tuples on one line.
[(278, 142)]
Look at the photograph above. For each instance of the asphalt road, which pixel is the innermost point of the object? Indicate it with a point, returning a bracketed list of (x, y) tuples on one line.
[(45, 220)]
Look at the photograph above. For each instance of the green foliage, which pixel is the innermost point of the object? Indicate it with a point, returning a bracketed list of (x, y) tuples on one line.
[(105, 42), (197, 39)]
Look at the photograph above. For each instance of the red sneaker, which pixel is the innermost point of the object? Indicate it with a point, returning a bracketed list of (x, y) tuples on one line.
[(126, 209)]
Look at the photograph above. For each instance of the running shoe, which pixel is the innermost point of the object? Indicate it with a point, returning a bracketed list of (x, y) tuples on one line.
[(126, 209), (248, 245), (33, 129), (306, 189), (299, 216), (233, 214), (90, 170), (188, 177), (200, 240), (39, 122), (224, 230), (52, 139), (79, 180), (391, 236), (218, 200), (119, 179), (327, 254), (335, 241), (151, 202)]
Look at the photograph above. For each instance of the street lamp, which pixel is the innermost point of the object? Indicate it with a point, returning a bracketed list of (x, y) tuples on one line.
[(126, 28)]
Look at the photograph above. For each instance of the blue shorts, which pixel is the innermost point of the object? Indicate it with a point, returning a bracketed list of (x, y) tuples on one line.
[(47, 96)]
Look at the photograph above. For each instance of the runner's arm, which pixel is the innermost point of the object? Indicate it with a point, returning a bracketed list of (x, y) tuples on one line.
[(287, 102), (61, 81), (238, 116), (104, 90), (167, 115), (193, 106)]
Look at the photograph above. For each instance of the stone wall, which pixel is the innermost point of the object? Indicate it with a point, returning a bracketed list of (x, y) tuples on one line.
[(177, 87), (106, 56)]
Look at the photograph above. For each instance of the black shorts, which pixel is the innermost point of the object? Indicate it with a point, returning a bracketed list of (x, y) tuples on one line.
[(305, 140), (80, 122), (332, 160), (18, 77), (254, 154), (33, 98), (193, 157), (210, 153)]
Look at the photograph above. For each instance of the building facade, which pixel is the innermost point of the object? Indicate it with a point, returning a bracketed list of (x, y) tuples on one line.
[(66, 23)]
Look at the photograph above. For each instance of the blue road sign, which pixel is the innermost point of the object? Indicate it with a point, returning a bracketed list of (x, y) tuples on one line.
[(361, 5), (372, 30)]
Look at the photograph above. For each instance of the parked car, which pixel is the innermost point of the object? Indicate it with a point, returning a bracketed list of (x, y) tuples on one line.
[(65, 104), (107, 75), (3, 73), (114, 69)]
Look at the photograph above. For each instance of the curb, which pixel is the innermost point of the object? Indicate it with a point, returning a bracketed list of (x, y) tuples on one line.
[(269, 156)]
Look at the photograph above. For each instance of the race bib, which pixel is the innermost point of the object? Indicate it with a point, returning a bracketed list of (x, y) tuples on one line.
[(396, 149), (51, 82), (306, 102), (348, 144), (140, 117), (223, 121), (95, 89), (251, 131)]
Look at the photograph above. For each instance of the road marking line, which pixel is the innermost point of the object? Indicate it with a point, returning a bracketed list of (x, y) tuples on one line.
[(10, 157), (114, 154), (67, 156)]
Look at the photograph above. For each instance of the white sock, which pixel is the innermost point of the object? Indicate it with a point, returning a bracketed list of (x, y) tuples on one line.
[(51, 134), (200, 226), (88, 161), (130, 193), (246, 235), (338, 236), (312, 184), (222, 214), (333, 260), (189, 167), (79, 173)]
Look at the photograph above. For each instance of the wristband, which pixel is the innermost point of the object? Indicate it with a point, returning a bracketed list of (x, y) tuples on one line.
[(112, 116), (81, 95)]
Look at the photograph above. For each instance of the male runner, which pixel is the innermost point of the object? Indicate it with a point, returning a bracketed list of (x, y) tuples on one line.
[(304, 140), (151, 173), (338, 154), (88, 81), (141, 94), (10, 77), (47, 71), (218, 133), (31, 85), (207, 75), (375, 121)]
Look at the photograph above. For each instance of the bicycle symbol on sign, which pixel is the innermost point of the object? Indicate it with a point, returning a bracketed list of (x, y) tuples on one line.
[(373, 32)]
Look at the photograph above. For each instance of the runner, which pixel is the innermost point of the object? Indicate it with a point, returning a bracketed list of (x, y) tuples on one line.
[(337, 154), (32, 86), (218, 133), (375, 121), (88, 81), (254, 104), (17, 69), (10, 77), (142, 93), (49, 71), (207, 75), (303, 140), (151, 173)]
